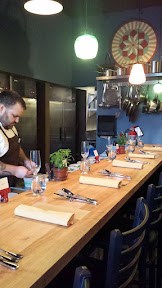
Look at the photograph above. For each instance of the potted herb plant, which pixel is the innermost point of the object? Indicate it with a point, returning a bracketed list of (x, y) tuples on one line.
[(121, 142), (60, 160)]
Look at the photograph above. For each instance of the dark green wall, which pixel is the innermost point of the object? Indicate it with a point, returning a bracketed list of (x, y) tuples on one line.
[(35, 46), (42, 47)]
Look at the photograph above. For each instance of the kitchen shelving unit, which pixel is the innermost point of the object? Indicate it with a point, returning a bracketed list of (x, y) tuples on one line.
[(151, 78)]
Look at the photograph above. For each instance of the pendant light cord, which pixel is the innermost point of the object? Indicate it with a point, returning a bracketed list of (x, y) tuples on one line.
[(86, 13), (139, 19)]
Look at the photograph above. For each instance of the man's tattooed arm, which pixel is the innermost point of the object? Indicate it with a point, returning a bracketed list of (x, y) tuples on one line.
[(2, 169)]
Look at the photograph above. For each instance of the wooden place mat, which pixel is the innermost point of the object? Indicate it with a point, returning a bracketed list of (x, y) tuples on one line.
[(79, 214)]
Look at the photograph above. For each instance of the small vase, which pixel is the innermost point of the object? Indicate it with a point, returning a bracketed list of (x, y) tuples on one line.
[(121, 149), (60, 174)]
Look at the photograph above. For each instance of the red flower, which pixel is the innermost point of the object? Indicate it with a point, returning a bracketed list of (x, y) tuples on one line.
[(121, 134)]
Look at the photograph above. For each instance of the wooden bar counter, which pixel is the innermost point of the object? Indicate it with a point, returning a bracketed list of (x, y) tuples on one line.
[(47, 248)]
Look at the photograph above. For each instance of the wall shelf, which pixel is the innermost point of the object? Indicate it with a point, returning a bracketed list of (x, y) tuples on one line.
[(123, 79)]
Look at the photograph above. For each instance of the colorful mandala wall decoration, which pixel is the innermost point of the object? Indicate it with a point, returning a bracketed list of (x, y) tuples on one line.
[(135, 38)]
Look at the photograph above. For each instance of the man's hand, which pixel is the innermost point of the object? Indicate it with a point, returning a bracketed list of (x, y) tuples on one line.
[(21, 172), (27, 163)]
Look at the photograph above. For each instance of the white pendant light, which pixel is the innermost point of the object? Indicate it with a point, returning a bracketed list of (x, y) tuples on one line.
[(86, 46), (43, 7), (158, 88), (137, 75)]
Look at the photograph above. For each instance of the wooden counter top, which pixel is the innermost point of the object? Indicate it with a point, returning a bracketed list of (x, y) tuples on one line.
[(47, 248)]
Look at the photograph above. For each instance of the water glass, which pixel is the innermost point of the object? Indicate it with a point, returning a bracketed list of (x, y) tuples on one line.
[(85, 166), (111, 153), (38, 185), (140, 143), (131, 148)]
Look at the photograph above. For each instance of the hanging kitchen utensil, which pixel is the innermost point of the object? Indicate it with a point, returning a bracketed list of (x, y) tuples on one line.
[(154, 105), (126, 100), (130, 101), (103, 102), (134, 111), (146, 103), (111, 97)]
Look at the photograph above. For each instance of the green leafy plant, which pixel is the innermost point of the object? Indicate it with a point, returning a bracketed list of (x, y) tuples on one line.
[(61, 158), (121, 139)]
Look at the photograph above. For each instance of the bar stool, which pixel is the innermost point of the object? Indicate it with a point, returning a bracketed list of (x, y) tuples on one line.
[(119, 267), (82, 277), (152, 251)]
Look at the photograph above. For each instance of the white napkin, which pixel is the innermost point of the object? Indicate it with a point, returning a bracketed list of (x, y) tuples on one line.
[(55, 217), (148, 156), (113, 183), (152, 149), (124, 164)]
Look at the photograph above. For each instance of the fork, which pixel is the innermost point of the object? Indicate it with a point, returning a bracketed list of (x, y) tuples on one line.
[(149, 153), (108, 173), (135, 161), (18, 256)]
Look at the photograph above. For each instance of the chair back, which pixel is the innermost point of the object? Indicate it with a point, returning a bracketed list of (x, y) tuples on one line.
[(125, 249), (82, 277), (154, 202)]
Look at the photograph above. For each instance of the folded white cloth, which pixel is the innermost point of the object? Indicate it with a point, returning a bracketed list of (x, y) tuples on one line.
[(156, 149), (113, 183), (124, 164), (148, 156), (55, 217)]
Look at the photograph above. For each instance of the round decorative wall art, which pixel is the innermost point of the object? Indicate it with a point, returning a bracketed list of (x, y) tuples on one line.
[(134, 40)]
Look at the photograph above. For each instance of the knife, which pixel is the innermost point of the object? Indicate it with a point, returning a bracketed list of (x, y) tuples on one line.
[(69, 193), (94, 202), (9, 264)]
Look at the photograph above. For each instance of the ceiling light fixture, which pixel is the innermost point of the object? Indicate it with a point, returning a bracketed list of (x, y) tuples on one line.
[(86, 45), (137, 75), (43, 7)]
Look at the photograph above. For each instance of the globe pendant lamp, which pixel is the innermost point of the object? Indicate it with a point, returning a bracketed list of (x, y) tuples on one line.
[(158, 88), (43, 7), (86, 45)]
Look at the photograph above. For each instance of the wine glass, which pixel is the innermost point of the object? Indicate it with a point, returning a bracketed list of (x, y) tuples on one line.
[(84, 149), (35, 161)]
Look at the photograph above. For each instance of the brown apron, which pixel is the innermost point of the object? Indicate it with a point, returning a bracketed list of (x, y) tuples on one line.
[(12, 156)]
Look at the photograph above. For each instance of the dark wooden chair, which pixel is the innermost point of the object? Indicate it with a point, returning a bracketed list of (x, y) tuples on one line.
[(82, 277), (119, 266), (152, 252)]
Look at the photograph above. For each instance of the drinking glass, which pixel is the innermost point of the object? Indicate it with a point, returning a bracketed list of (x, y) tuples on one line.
[(38, 185), (131, 148), (85, 166), (111, 153), (35, 161), (84, 149), (140, 143)]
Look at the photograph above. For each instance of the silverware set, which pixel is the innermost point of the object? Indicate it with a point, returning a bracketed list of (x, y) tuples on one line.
[(71, 196), (10, 260), (135, 161), (109, 173), (148, 153)]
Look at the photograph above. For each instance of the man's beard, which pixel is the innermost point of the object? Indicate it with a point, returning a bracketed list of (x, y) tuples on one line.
[(10, 126), (5, 122)]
